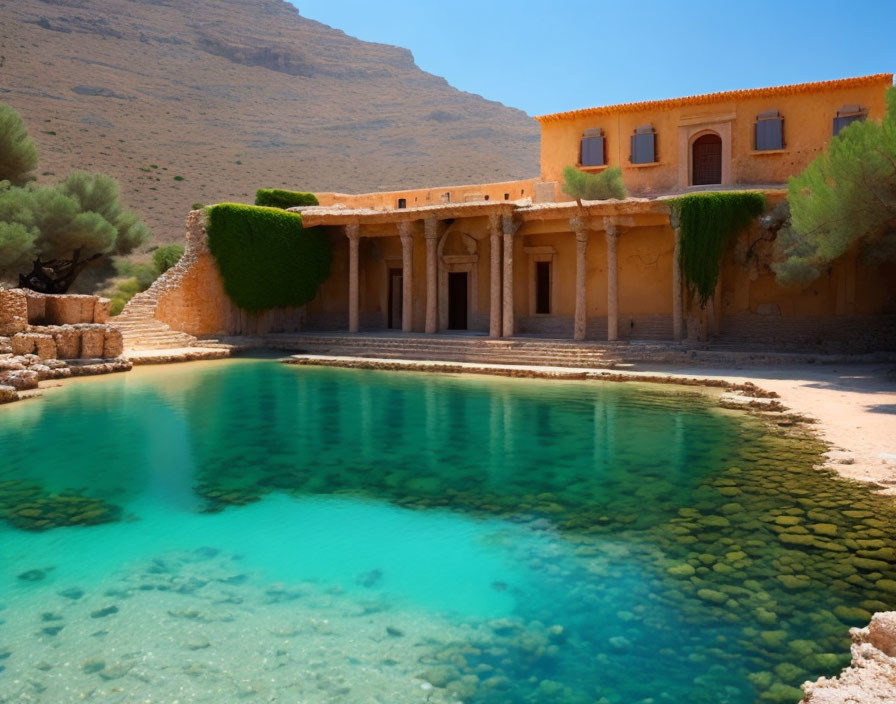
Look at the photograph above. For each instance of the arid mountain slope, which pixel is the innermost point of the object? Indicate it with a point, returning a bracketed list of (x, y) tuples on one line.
[(206, 100)]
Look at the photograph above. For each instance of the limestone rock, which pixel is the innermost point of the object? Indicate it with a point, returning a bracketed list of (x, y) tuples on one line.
[(68, 342), (8, 394), (113, 343), (13, 311), (871, 678), (20, 380), (23, 343), (92, 341), (101, 310), (44, 346)]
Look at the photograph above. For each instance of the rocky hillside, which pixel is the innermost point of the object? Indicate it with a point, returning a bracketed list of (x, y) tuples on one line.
[(206, 100)]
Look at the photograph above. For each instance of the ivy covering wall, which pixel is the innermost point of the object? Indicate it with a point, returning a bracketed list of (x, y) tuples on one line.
[(709, 221), (275, 198), (265, 256)]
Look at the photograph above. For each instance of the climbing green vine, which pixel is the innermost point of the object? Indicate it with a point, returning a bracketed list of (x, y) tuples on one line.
[(265, 256), (708, 222)]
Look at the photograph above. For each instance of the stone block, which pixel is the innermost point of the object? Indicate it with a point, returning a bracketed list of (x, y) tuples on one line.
[(37, 307), (5, 347), (44, 346), (21, 380), (101, 310), (92, 342), (8, 394), (68, 343), (113, 343), (13, 311), (69, 309), (23, 343)]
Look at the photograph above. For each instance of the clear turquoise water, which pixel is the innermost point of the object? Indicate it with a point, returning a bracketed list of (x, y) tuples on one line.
[(580, 542)]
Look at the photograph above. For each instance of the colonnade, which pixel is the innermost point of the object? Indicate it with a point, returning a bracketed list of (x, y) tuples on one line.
[(502, 231)]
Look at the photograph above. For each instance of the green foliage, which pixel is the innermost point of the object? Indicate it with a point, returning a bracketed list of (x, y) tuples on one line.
[(708, 222), (18, 153), (166, 257), (601, 186), (275, 198), (80, 218), (265, 256), (122, 293), (846, 197)]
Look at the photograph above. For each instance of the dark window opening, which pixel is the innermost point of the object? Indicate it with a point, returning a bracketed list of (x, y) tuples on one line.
[(402, 203), (769, 131), (395, 299), (644, 145), (457, 300), (486, 197), (847, 115), (542, 288), (706, 162), (591, 150), (506, 196)]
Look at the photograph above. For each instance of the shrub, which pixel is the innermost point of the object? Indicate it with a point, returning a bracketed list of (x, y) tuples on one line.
[(18, 153), (166, 257), (265, 256), (275, 198), (584, 186), (708, 221)]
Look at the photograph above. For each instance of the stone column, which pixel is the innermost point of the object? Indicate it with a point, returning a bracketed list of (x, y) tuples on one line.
[(431, 231), (612, 236), (580, 227), (407, 265), (677, 305), (353, 232), (494, 320), (509, 228)]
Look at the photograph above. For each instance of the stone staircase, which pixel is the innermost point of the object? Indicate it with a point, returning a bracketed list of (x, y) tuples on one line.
[(140, 329), (448, 348)]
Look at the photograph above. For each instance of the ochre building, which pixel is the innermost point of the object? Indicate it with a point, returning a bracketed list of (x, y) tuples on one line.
[(522, 258)]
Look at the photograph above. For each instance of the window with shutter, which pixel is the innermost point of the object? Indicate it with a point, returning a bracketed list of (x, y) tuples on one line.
[(644, 145), (592, 148), (769, 130), (847, 115)]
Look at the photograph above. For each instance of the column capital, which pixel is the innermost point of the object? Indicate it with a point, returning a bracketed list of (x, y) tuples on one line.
[(579, 225), (353, 230), (508, 225), (431, 227), (405, 229), (494, 224), (611, 228)]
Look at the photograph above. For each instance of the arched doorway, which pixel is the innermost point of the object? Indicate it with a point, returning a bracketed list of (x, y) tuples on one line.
[(706, 160)]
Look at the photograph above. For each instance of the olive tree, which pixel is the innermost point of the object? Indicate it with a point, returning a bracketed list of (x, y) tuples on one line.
[(602, 186)]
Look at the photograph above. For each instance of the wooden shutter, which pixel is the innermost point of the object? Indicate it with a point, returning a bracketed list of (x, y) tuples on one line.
[(593, 151), (769, 131), (847, 115), (644, 145)]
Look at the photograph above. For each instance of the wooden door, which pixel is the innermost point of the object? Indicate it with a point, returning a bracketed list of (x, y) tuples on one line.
[(707, 160)]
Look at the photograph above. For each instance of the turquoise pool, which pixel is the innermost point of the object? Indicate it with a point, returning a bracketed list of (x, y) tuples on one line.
[(247, 531)]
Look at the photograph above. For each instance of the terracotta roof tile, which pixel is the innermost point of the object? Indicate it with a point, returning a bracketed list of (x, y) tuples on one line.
[(653, 105)]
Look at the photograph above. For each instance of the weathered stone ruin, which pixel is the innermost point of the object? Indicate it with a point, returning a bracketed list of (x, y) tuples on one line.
[(54, 336)]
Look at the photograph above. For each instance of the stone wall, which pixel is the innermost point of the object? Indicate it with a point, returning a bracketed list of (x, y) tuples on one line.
[(190, 297), (57, 326)]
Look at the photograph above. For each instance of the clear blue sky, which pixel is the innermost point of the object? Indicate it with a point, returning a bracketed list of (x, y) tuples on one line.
[(547, 56)]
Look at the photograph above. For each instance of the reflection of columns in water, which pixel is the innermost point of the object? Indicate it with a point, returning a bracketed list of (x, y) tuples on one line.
[(507, 403), (496, 462), (680, 449), (171, 473), (600, 434), (367, 423), (431, 408)]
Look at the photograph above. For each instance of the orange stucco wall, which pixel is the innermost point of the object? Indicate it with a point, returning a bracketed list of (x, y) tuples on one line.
[(388, 200), (808, 125)]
